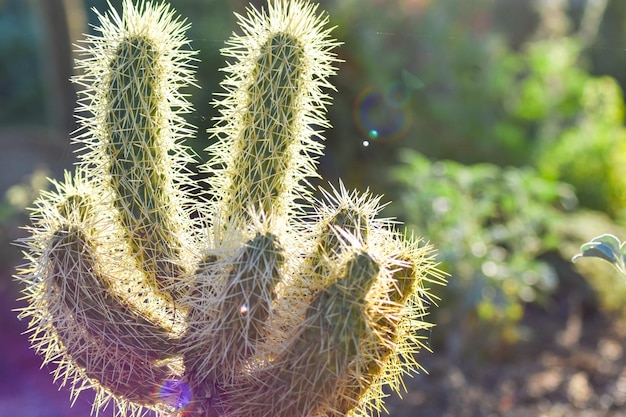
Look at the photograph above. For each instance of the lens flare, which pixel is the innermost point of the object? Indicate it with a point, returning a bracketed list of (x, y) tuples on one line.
[(382, 115), (397, 95), (175, 393)]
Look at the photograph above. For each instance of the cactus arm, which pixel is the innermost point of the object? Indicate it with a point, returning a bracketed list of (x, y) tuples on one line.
[(348, 221), (243, 306), (87, 295), (317, 358), (95, 337), (136, 157), (132, 74), (266, 147), (396, 311), (249, 294), (108, 341)]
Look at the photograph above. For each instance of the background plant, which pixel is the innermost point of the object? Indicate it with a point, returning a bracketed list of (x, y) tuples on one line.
[(492, 226), (518, 92)]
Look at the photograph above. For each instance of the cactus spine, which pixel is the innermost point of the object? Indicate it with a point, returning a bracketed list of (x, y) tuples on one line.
[(263, 305)]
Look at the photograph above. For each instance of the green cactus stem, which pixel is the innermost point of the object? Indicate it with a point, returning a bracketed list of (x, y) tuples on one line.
[(221, 351), (85, 293), (132, 76), (267, 145), (261, 300), (330, 338), (94, 326)]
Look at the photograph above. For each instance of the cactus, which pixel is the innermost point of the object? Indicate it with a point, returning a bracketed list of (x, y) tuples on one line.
[(256, 299)]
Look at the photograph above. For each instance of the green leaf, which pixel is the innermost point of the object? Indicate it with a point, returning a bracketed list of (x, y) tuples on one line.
[(607, 247), (411, 81)]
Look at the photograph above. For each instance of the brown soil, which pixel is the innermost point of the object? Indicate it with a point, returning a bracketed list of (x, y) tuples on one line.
[(574, 365)]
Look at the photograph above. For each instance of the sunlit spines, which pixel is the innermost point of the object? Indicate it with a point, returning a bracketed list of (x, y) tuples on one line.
[(292, 310), (111, 343), (133, 73), (73, 232), (242, 300), (267, 146), (395, 306), (316, 358), (343, 220), (85, 291), (93, 338), (397, 310)]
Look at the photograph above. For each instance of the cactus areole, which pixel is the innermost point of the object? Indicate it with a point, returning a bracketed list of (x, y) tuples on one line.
[(247, 302)]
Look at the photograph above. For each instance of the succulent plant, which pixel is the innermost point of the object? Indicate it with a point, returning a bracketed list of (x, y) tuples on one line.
[(252, 298)]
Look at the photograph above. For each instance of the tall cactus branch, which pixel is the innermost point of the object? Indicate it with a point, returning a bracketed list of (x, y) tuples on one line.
[(133, 74), (273, 97)]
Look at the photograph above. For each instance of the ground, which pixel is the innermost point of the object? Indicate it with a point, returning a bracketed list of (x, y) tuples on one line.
[(574, 365)]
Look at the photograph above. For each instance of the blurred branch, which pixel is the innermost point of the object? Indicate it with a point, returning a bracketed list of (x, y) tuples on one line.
[(553, 18), (63, 22), (591, 20)]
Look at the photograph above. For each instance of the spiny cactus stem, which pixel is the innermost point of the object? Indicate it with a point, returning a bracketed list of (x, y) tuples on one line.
[(259, 179), (295, 308), (105, 338), (316, 362), (340, 227), (384, 334), (244, 307), (137, 160), (87, 293), (266, 146), (250, 289)]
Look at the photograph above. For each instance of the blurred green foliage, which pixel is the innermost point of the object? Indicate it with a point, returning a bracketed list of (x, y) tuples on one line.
[(491, 98), (488, 95), (577, 122), (590, 152), (21, 87), (490, 226)]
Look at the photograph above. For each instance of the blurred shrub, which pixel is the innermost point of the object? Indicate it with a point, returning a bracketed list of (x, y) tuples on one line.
[(13, 213), (549, 84), (590, 154), (490, 225), (484, 97), (577, 122)]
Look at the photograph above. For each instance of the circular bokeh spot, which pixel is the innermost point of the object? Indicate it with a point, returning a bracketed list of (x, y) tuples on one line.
[(381, 115), (175, 393)]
